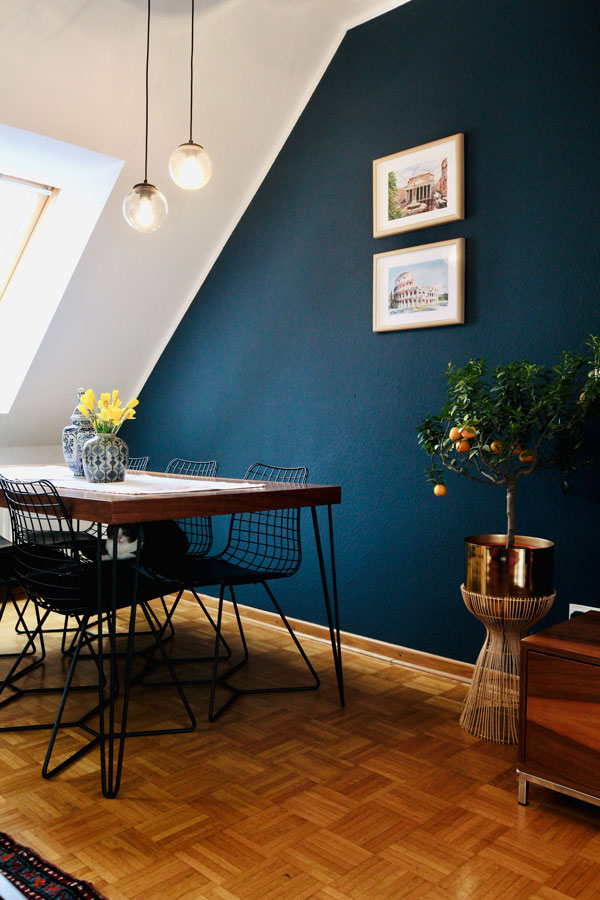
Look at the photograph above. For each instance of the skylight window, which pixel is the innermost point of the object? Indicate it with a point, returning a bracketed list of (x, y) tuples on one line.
[(22, 204), (81, 181)]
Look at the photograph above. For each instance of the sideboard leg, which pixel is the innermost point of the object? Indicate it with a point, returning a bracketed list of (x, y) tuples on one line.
[(523, 795)]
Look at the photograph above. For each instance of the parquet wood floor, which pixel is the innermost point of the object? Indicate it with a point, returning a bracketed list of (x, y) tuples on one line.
[(289, 797)]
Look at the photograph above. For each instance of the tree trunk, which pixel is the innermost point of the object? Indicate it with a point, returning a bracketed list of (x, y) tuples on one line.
[(510, 513)]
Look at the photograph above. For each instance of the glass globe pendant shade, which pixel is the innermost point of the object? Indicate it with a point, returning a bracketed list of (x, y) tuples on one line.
[(190, 166), (145, 208)]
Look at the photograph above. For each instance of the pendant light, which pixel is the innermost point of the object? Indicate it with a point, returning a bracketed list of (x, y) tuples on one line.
[(144, 207), (190, 165)]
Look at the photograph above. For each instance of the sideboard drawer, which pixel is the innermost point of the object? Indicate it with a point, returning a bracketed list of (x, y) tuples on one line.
[(559, 745), (562, 725)]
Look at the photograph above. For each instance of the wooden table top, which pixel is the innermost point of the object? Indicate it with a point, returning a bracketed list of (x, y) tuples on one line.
[(115, 509)]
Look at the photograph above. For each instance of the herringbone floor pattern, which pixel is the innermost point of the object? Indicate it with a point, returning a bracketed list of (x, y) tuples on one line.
[(289, 797)]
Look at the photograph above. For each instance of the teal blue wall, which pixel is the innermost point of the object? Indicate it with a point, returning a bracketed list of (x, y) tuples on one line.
[(276, 360)]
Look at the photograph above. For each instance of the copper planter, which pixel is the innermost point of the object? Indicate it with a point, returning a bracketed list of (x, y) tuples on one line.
[(523, 571)]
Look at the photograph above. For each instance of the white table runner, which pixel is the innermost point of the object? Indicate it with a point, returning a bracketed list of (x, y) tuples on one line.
[(135, 482)]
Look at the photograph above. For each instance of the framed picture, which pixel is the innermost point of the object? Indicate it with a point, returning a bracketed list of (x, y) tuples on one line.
[(419, 187), (419, 286)]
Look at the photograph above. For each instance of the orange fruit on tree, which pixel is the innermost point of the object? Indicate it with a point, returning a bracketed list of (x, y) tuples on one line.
[(439, 490), (582, 398), (469, 432), (517, 449), (463, 446), (454, 433), (526, 456), (496, 446)]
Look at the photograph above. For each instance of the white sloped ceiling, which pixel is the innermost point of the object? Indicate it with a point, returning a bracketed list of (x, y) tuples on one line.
[(73, 70)]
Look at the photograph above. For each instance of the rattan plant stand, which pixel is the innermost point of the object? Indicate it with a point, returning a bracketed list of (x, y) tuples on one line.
[(491, 709)]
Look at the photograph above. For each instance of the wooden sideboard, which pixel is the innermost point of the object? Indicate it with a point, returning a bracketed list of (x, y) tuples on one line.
[(559, 742)]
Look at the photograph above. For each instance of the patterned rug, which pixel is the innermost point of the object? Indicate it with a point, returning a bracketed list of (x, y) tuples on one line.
[(37, 879)]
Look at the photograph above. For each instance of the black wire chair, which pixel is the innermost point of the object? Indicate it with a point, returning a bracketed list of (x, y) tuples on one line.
[(262, 547), (87, 540), (198, 530), (57, 578), (138, 463)]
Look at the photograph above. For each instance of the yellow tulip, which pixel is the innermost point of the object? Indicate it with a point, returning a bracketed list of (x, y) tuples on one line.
[(107, 413)]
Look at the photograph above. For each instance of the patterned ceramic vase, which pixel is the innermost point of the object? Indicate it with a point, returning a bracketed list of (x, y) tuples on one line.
[(105, 458), (74, 437)]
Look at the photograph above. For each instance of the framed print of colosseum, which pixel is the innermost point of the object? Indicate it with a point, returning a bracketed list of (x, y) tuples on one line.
[(419, 187), (419, 287)]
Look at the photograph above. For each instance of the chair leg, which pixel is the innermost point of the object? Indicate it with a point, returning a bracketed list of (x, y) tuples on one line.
[(14, 674), (21, 619), (58, 723), (151, 652), (174, 681), (236, 692), (24, 629), (212, 715), (39, 726), (210, 621), (10, 598)]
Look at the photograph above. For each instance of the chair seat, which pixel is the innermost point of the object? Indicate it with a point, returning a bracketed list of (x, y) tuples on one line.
[(56, 582), (148, 588), (214, 570)]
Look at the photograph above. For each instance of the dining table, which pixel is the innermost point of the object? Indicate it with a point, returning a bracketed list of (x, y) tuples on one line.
[(157, 496)]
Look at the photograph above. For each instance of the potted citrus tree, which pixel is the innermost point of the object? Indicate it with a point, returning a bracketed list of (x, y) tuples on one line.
[(503, 424)]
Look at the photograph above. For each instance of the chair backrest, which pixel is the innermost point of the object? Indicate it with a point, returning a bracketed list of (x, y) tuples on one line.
[(199, 528), (268, 541), (193, 467), (46, 557), (138, 463)]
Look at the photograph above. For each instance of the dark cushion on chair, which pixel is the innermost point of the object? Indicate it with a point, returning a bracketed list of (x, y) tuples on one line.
[(213, 570), (66, 585), (148, 588)]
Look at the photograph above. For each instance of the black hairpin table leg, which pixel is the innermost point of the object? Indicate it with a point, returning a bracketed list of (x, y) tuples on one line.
[(333, 617), (112, 742)]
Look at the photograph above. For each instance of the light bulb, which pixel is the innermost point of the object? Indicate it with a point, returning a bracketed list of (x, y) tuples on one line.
[(145, 208), (190, 166)]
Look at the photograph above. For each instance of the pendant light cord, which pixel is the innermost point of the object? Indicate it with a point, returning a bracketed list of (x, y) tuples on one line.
[(147, 70), (192, 75)]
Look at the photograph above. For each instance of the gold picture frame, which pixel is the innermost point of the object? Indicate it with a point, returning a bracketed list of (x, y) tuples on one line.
[(419, 187), (419, 287)]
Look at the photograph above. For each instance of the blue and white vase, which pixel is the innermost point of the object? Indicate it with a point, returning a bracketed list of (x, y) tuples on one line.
[(74, 437), (105, 459)]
